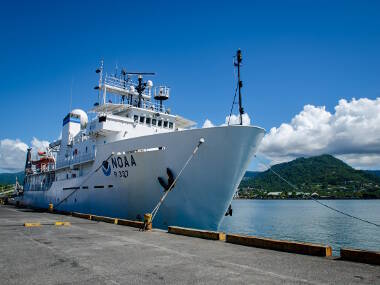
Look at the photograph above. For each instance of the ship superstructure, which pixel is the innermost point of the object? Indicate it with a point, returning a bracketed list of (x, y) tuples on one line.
[(116, 163)]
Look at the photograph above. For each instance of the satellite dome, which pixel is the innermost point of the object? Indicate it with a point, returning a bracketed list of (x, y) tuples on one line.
[(83, 117), (149, 83)]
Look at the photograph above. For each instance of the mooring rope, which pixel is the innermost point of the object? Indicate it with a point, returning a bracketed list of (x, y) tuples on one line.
[(155, 210), (315, 200)]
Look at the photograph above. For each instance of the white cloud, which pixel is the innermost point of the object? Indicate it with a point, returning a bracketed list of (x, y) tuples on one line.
[(13, 153), (235, 119), (351, 133), (37, 145), (207, 124)]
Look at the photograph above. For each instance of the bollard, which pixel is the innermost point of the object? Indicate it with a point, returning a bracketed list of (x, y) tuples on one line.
[(148, 221)]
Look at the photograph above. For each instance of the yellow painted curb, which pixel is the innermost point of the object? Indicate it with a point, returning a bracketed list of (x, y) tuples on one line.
[(62, 223), (197, 233), (30, 225), (130, 223), (103, 219), (281, 245), (123, 222), (83, 216), (363, 256)]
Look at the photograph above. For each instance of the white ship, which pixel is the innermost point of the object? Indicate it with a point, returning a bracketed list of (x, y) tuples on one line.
[(120, 162)]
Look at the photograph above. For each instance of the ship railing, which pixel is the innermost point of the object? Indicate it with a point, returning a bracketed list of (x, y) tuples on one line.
[(48, 168), (153, 106), (42, 186), (38, 187), (117, 82), (111, 107), (80, 138), (129, 86), (149, 105), (74, 160)]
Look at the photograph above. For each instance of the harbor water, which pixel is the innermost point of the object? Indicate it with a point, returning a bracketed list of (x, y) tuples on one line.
[(307, 221)]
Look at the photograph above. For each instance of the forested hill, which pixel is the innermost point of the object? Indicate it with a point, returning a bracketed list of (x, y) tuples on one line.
[(318, 174)]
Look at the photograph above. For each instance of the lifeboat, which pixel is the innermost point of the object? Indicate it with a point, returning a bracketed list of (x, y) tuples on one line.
[(43, 163)]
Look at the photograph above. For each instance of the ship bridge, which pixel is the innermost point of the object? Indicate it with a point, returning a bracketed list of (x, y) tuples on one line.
[(130, 111)]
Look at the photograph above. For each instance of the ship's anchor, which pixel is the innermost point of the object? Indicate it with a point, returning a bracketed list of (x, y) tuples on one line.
[(229, 211), (162, 181)]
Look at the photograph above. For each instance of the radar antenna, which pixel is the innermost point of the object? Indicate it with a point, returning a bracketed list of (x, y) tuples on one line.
[(141, 85)]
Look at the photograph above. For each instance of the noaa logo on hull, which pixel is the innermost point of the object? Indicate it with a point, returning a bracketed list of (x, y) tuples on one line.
[(106, 168)]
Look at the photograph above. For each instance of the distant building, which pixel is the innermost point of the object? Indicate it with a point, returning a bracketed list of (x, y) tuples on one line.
[(274, 194)]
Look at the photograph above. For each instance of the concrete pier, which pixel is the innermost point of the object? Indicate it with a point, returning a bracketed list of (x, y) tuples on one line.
[(93, 252)]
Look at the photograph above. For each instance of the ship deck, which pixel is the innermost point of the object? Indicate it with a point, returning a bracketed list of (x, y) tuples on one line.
[(89, 252)]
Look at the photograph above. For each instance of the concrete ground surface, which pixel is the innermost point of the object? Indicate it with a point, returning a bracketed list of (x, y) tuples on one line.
[(89, 252)]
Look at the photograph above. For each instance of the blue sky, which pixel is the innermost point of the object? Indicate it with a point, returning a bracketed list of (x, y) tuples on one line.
[(295, 53)]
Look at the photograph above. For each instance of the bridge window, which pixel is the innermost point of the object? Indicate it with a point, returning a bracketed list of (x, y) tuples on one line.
[(170, 125), (142, 119), (147, 121), (159, 123), (165, 124), (135, 118), (154, 122)]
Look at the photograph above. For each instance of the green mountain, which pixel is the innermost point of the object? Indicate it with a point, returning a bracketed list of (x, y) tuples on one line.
[(323, 174), (10, 178)]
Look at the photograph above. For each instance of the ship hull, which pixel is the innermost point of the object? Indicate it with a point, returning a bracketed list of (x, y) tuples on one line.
[(128, 187)]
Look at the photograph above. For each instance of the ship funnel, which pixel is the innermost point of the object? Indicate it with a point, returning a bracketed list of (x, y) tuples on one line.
[(72, 124)]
